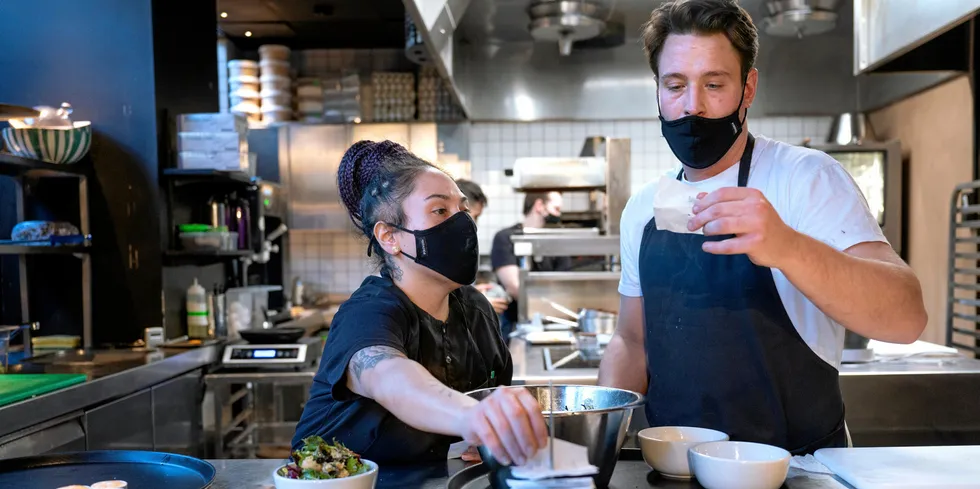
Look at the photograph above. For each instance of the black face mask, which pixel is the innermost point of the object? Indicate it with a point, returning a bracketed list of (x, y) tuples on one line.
[(700, 142), (449, 248), (552, 219)]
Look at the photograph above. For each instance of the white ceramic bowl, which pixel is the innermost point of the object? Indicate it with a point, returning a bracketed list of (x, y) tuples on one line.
[(665, 447), (366, 480), (739, 465)]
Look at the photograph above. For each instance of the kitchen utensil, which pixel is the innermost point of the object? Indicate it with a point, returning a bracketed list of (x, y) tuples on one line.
[(60, 146), (272, 336), (589, 320), (216, 209), (739, 465), (143, 470), (948, 467), (17, 387), (665, 447), (592, 416), (220, 312)]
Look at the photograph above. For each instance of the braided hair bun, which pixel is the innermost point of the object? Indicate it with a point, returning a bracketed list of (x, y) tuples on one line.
[(362, 163)]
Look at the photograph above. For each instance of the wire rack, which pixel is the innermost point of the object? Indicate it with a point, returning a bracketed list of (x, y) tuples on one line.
[(963, 293)]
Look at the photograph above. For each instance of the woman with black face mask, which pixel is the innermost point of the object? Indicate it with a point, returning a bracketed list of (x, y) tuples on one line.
[(408, 343)]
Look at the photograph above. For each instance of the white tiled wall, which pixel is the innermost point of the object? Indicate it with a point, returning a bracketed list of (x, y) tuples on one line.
[(337, 262)]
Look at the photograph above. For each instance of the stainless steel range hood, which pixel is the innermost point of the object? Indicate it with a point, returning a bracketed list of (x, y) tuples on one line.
[(500, 71)]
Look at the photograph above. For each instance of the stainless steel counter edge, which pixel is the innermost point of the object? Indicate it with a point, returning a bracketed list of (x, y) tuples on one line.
[(30, 412)]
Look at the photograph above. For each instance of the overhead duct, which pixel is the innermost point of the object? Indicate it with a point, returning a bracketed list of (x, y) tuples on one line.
[(799, 18), (565, 22)]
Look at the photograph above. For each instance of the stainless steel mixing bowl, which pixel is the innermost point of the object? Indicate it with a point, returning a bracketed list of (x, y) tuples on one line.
[(596, 417)]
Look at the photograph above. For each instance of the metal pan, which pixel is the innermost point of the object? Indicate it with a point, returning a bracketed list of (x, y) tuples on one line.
[(273, 336), (142, 470)]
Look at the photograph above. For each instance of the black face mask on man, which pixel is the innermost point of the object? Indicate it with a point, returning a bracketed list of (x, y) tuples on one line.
[(552, 219), (700, 142), (450, 248)]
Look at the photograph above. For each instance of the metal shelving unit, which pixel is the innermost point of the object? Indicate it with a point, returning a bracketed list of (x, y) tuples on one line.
[(963, 287), (20, 169)]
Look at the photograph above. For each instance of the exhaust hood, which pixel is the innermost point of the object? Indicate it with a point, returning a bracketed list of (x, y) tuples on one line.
[(565, 22), (798, 18)]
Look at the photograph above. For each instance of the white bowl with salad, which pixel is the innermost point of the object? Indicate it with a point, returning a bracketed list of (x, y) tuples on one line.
[(326, 465)]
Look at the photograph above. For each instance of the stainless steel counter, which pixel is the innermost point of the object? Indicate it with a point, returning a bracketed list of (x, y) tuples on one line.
[(634, 474), (156, 367), (908, 402)]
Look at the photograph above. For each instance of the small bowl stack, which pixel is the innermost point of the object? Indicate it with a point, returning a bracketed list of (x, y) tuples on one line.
[(309, 100), (243, 88), (276, 84)]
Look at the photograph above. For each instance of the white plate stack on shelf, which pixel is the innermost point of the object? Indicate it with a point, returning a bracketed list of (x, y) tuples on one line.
[(309, 100), (342, 98), (276, 93), (394, 96), (243, 88), (435, 101), (213, 142)]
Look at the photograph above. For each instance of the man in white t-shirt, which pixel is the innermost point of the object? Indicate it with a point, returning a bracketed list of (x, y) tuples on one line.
[(741, 327)]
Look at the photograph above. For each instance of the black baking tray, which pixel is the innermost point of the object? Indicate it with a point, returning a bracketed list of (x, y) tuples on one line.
[(141, 470)]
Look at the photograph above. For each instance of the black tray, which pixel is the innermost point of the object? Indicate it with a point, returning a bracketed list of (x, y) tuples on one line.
[(141, 470)]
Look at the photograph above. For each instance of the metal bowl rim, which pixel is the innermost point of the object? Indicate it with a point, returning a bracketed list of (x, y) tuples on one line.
[(641, 399)]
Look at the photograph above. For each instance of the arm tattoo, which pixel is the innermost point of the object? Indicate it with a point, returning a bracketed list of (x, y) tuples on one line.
[(368, 358)]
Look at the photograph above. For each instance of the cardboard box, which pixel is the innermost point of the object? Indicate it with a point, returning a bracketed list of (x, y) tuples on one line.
[(212, 123)]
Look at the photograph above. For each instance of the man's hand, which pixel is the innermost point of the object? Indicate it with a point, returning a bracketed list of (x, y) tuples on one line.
[(759, 231), (499, 304)]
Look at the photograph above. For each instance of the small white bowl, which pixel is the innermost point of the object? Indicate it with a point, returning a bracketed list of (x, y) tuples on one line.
[(665, 447), (739, 465), (366, 480)]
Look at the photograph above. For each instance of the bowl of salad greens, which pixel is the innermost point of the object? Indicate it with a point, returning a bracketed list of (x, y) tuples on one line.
[(329, 465)]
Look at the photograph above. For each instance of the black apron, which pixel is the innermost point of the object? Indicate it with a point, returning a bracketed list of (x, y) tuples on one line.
[(721, 351)]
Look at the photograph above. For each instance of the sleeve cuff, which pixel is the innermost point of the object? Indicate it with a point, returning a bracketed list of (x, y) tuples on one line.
[(630, 290)]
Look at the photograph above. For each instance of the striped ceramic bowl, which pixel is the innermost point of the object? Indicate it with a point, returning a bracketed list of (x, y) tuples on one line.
[(61, 146)]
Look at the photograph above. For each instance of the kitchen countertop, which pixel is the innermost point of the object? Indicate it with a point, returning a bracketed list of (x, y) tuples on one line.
[(632, 474), (529, 367), (111, 383)]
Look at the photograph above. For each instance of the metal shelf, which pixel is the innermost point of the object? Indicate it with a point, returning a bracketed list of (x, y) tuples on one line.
[(15, 166), (180, 176), (572, 276), (182, 256), (42, 250)]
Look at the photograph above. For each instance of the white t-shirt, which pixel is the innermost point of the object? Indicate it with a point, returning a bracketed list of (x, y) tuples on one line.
[(811, 192)]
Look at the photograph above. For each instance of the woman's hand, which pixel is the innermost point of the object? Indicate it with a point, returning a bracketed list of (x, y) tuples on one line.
[(471, 455), (508, 422)]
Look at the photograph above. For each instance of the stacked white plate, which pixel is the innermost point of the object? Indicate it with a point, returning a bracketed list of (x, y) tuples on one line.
[(309, 99), (275, 82), (243, 88)]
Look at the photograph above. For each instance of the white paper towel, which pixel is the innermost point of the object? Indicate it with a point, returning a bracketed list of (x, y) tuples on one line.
[(571, 459), (672, 206)]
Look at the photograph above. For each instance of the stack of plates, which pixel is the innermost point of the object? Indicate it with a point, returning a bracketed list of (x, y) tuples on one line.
[(276, 84), (243, 88)]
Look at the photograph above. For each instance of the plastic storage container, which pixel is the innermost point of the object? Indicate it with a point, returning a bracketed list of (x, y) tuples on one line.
[(210, 241)]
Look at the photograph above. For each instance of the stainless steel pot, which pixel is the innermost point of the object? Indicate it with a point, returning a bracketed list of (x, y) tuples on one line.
[(590, 320), (592, 416)]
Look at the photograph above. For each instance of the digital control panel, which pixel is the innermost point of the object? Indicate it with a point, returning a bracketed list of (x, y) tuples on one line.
[(265, 355)]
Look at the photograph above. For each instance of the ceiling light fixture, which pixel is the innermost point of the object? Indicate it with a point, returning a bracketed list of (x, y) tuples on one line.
[(248, 33), (224, 15)]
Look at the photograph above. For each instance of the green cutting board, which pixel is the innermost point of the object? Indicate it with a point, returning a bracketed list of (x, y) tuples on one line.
[(17, 387)]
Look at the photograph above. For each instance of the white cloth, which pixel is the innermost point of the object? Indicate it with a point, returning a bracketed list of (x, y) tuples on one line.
[(810, 191), (674, 204), (571, 459)]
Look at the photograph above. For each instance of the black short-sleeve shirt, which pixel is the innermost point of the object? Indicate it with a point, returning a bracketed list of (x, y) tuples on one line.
[(465, 353), (502, 254)]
